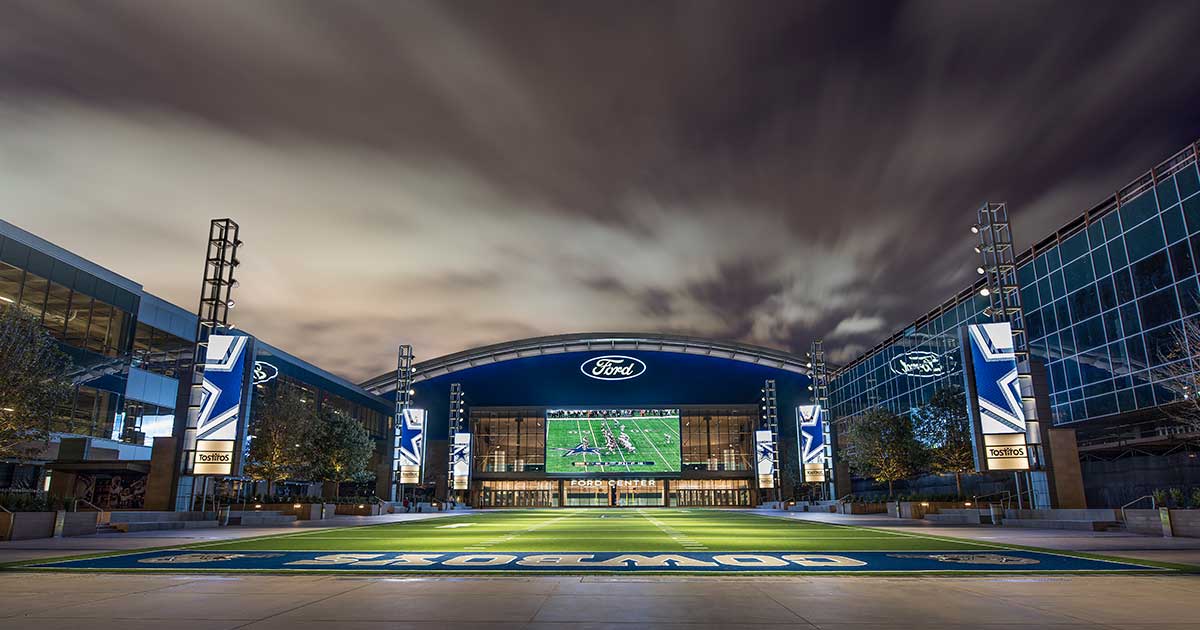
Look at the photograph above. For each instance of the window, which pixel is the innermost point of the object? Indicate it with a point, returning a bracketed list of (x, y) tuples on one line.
[(1181, 261), (1089, 334), (1151, 274), (33, 296), (1074, 247), (57, 303), (10, 284), (1084, 303), (1158, 308), (1078, 274), (1145, 239), (1138, 209)]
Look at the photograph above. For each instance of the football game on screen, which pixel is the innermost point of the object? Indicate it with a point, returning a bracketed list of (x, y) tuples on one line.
[(588, 441)]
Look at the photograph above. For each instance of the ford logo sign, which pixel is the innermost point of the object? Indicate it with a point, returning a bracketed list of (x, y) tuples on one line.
[(920, 364), (264, 372), (613, 368)]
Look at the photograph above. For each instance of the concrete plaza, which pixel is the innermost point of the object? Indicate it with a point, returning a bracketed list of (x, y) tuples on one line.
[(133, 602)]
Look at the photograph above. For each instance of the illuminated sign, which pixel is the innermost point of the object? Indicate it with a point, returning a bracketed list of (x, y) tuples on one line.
[(410, 445), (614, 483), (219, 423), (921, 364), (213, 457), (765, 453), (264, 372), (996, 400), (460, 462), (810, 423), (613, 368)]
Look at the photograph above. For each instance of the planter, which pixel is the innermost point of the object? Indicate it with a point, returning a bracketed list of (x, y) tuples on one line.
[(80, 523), (358, 509), (1184, 523), (27, 525), (863, 508)]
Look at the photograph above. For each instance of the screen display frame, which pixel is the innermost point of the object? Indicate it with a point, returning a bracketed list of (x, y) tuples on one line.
[(672, 413)]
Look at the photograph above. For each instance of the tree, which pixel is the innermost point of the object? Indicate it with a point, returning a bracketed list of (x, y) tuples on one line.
[(341, 449), (1179, 375), (283, 426), (942, 424), (884, 447), (34, 382)]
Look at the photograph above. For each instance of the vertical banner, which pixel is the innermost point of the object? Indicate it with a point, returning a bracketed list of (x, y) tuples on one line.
[(994, 397), (224, 406), (814, 456), (410, 446), (765, 449), (460, 462)]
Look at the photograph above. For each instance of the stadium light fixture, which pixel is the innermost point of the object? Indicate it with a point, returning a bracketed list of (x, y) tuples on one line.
[(985, 292), (977, 250), (980, 270), (231, 304), (975, 229)]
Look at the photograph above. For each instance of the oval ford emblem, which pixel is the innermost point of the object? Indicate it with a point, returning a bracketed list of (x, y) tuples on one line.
[(613, 368), (919, 363), (264, 372)]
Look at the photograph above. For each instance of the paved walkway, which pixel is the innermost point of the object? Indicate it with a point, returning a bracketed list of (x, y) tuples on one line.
[(1122, 544), (61, 601), (18, 550), (306, 602)]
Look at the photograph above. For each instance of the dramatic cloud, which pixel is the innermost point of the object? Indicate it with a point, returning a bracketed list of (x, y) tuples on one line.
[(453, 174)]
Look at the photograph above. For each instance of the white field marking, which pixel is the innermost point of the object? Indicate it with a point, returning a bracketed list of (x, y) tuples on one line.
[(660, 453), (676, 537), (668, 430), (455, 525), (599, 456)]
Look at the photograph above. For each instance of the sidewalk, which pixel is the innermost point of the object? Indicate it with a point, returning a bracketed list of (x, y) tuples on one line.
[(19, 550), (1121, 544)]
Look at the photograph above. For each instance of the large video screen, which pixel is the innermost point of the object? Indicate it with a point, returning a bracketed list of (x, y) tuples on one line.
[(591, 441)]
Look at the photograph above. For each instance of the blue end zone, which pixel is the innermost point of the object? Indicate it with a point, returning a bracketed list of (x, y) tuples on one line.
[(754, 562)]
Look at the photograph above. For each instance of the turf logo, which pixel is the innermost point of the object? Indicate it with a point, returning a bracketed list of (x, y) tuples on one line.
[(968, 558), (613, 368), (193, 558)]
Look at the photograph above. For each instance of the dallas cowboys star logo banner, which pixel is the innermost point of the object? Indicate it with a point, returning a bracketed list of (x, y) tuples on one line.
[(765, 449), (220, 423), (810, 423), (996, 403), (460, 462), (410, 445)]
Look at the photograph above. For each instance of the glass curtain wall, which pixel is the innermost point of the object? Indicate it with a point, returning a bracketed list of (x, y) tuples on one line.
[(509, 440), (718, 439)]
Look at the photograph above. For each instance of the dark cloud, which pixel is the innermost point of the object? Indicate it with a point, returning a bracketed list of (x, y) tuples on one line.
[(455, 173)]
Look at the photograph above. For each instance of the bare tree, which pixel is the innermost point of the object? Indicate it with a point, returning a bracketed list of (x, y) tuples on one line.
[(33, 382), (1180, 375)]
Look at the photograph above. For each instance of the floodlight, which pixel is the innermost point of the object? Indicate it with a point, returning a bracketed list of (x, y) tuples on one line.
[(975, 229), (984, 292), (980, 270)]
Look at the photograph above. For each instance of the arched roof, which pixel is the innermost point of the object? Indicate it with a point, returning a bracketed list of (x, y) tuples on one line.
[(585, 342)]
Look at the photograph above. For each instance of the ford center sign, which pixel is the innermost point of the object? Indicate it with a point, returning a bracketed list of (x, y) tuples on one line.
[(613, 368), (920, 364)]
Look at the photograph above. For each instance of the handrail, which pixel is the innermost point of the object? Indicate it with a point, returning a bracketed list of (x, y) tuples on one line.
[(1153, 505), (1005, 498), (845, 497), (87, 503), (5, 509)]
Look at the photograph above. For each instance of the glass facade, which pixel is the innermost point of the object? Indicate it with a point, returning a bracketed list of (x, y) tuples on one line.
[(92, 319), (1104, 299), (161, 352), (509, 440), (718, 439)]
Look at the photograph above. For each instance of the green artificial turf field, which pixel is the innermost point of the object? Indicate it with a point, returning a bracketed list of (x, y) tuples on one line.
[(586, 530), (600, 540)]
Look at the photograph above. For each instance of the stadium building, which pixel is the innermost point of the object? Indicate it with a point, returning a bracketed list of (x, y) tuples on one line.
[(1105, 299), (608, 419)]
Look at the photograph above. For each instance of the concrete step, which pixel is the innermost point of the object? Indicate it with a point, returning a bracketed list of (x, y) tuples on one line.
[(148, 526), (1046, 523), (954, 519), (261, 518)]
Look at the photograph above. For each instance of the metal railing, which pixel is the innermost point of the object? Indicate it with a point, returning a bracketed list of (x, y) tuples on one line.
[(1005, 501), (1153, 505)]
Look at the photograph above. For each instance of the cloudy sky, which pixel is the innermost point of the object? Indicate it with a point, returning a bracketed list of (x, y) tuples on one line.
[(457, 173)]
